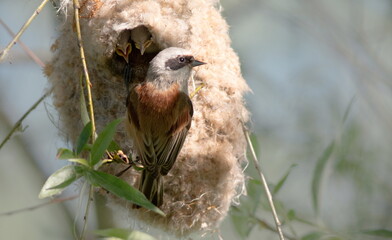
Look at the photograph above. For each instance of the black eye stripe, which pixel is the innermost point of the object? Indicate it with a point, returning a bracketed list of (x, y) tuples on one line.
[(178, 62)]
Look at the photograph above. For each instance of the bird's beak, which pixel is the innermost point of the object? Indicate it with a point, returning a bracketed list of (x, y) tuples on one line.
[(124, 51), (142, 49), (196, 63), (144, 46)]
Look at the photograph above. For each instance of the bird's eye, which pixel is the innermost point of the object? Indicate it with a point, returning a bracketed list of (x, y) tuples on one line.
[(182, 59)]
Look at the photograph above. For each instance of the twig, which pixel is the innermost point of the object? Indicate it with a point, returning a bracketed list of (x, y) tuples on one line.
[(56, 200), (85, 218), (196, 90), (90, 107), (264, 181), (24, 27), (19, 122), (25, 48), (85, 70), (271, 228)]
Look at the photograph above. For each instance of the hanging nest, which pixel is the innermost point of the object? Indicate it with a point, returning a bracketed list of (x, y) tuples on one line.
[(207, 176)]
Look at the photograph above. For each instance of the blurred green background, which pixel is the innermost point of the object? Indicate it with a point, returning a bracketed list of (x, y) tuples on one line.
[(321, 75)]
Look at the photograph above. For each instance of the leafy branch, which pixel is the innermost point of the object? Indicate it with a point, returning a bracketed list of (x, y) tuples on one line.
[(86, 168)]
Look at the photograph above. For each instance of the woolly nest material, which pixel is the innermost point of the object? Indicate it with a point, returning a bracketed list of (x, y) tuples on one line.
[(207, 176)]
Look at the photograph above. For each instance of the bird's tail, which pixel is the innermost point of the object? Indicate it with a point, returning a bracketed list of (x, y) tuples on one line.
[(152, 187)]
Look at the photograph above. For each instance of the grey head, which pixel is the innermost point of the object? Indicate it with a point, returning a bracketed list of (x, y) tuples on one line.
[(172, 65)]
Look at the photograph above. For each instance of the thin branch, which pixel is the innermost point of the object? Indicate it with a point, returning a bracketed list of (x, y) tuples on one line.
[(56, 200), (86, 213), (90, 106), (271, 228), (85, 70), (19, 122), (4, 53), (24, 47), (264, 181), (196, 90)]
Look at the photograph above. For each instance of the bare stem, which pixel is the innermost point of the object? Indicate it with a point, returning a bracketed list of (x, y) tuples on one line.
[(19, 122), (90, 107), (271, 228), (25, 48), (56, 200), (85, 70), (4, 53), (196, 90), (265, 184), (85, 218)]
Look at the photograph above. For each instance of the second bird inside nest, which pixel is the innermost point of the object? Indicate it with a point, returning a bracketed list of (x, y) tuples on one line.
[(136, 48)]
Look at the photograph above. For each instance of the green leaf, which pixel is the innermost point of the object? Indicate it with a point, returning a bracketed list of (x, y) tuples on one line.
[(83, 107), (102, 142), (59, 180), (282, 181), (312, 236), (379, 232), (113, 147), (121, 189), (254, 191), (241, 215), (81, 161), (348, 109), (241, 222), (124, 234), (318, 173), (88, 146), (83, 138), (291, 215), (64, 153), (136, 235)]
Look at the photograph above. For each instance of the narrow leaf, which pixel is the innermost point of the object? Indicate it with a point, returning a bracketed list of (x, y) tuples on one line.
[(317, 174), (83, 138), (282, 181), (136, 235), (241, 222), (81, 161), (312, 236), (348, 109), (60, 179), (66, 183), (254, 191), (121, 189), (64, 153), (124, 234), (83, 107), (291, 214), (379, 232), (113, 147), (103, 141), (114, 232)]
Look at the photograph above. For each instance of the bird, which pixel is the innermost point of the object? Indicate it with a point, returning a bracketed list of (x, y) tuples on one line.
[(159, 116), (144, 50), (142, 38), (124, 46)]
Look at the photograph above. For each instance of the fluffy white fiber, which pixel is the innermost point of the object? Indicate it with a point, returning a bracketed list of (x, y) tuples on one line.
[(207, 176)]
